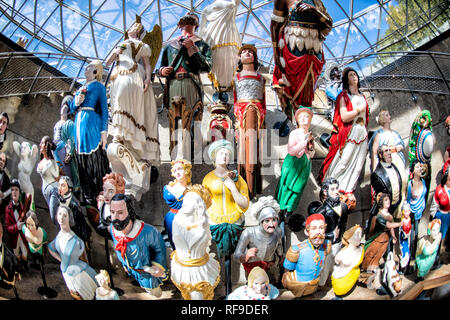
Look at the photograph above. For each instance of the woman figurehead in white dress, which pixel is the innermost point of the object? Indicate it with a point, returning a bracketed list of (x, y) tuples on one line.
[(134, 117), (218, 28), (193, 269)]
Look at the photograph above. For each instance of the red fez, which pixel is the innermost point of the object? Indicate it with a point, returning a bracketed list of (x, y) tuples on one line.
[(315, 216)]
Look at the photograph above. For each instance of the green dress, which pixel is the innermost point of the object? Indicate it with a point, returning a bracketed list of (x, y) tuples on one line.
[(425, 261), (294, 176), (34, 247)]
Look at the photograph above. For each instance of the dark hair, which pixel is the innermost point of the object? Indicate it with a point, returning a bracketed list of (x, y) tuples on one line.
[(380, 151), (325, 186), (68, 181), (255, 61), (49, 147), (15, 183), (128, 202), (189, 19), (445, 176), (345, 85), (31, 214), (380, 199), (5, 114)]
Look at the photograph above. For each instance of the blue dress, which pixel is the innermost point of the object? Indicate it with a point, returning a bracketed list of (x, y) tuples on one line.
[(175, 204), (90, 121), (417, 204), (91, 118), (77, 274), (144, 248)]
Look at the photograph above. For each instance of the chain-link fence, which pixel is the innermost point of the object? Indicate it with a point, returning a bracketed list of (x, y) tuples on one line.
[(42, 73)]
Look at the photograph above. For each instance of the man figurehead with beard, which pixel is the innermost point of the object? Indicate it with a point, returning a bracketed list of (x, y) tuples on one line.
[(304, 261), (261, 245), (334, 211), (139, 246)]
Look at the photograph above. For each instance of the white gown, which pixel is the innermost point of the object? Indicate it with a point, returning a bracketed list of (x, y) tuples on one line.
[(192, 242), (346, 167), (218, 28), (134, 115)]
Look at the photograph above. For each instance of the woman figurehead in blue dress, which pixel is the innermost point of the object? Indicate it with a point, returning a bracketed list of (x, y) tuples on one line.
[(173, 192), (90, 131)]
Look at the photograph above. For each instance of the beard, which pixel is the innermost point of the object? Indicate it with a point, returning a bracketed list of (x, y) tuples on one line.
[(121, 224), (333, 201)]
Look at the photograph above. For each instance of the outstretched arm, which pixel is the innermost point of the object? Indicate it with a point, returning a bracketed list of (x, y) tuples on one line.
[(278, 18)]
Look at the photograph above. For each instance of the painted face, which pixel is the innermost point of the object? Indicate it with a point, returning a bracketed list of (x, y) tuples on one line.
[(178, 171), (100, 279), (30, 224), (63, 187), (109, 190), (119, 215), (42, 146), (3, 124), (352, 78), (187, 29), (15, 194), (223, 156), (133, 31), (406, 213), (355, 239), (62, 216), (89, 72), (387, 155), (418, 169), (270, 224), (386, 117), (435, 230), (247, 56), (386, 202), (259, 285), (2, 161), (316, 232), (304, 120), (333, 191)]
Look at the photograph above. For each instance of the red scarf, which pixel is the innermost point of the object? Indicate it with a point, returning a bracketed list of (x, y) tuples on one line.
[(122, 241)]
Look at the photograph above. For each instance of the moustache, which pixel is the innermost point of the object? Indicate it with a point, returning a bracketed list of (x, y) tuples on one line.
[(318, 236), (120, 224)]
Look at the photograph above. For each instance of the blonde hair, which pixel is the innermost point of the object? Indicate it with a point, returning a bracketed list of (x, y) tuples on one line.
[(255, 273), (202, 192), (349, 233), (187, 166), (105, 275)]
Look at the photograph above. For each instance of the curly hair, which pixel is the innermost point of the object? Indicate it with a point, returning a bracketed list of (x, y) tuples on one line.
[(187, 166), (201, 191), (117, 180), (345, 84), (49, 147)]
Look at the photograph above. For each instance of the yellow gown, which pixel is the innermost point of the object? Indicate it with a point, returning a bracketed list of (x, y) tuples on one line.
[(342, 286), (224, 209)]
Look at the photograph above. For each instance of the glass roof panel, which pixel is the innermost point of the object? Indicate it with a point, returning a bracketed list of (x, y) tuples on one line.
[(374, 24)]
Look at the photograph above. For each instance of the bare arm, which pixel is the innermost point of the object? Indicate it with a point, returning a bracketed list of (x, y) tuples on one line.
[(347, 116), (148, 72), (240, 199)]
